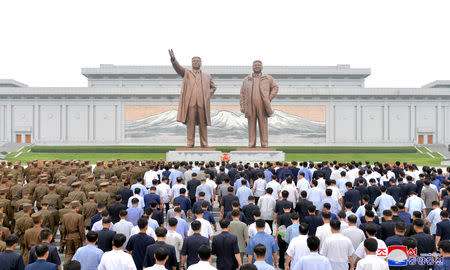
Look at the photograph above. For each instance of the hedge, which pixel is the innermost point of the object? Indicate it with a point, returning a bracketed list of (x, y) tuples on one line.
[(226, 149)]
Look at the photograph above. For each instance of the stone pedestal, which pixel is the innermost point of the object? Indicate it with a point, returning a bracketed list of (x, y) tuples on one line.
[(257, 154), (194, 154)]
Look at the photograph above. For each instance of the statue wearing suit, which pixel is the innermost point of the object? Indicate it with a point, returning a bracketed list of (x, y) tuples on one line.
[(257, 92), (194, 103)]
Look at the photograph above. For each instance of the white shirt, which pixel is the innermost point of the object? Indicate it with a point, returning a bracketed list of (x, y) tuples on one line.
[(149, 176), (98, 226), (293, 193), (276, 188), (116, 259), (298, 248), (434, 217), (266, 205), (361, 252), (372, 262), (315, 195), (175, 190), (303, 184), (124, 227), (252, 229), (211, 183), (414, 203), (176, 240), (156, 267), (150, 232), (323, 232), (321, 184), (163, 190), (202, 265), (259, 187), (337, 248), (355, 235), (141, 203), (206, 229)]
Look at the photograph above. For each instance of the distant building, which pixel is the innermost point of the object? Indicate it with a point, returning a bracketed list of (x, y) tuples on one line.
[(323, 105)]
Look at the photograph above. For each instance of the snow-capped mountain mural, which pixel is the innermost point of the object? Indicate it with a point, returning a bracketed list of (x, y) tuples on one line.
[(228, 128)]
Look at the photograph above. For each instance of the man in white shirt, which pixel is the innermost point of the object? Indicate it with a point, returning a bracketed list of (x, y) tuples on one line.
[(175, 190), (384, 201), (252, 227), (434, 217), (149, 176), (206, 228), (302, 183), (259, 186), (293, 193), (338, 248), (276, 187), (117, 258), (315, 194), (163, 191), (414, 203), (371, 231), (137, 194), (123, 226), (204, 253), (371, 261), (324, 231), (173, 238), (355, 234), (161, 256), (266, 205), (297, 247), (98, 226)]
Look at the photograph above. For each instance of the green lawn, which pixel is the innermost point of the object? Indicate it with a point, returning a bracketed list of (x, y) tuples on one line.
[(300, 153)]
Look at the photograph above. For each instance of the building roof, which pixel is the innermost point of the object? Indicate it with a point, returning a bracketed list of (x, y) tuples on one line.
[(438, 84), (11, 83), (107, 69)]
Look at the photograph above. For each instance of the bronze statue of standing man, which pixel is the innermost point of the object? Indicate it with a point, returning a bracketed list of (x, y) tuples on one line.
[(257, 92), (194, 104)]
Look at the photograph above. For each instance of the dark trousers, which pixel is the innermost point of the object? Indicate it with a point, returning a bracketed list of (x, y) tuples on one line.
[(270, 222), (283, 247), (256, 200)]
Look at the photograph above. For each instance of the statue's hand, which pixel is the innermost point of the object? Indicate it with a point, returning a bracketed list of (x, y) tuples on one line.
[(172, 55)]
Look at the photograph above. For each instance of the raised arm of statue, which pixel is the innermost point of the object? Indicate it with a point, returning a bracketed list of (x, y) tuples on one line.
[(178, 68)]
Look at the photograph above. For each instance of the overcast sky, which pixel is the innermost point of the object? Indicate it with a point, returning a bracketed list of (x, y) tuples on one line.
[(46, 43)]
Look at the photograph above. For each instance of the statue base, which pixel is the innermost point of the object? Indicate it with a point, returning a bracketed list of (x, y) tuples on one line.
[(194, 154), (257, 154)]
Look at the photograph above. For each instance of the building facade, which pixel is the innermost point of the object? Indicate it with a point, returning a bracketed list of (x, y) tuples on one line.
[(317, 105)]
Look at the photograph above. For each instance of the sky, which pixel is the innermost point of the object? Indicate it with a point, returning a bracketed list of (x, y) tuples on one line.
[(46, 43)]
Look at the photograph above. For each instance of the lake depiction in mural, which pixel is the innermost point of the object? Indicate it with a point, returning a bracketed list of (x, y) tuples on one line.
[(229, 127)]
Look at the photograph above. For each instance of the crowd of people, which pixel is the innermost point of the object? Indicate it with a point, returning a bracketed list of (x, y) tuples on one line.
[(252, 216)]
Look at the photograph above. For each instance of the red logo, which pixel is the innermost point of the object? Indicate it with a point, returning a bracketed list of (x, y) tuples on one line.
[(412, 252), (382, 252)]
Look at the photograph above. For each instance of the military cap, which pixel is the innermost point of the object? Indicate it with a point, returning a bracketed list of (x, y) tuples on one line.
[(75, 204), (66, 200), (3, 191), (91, 194), (104, 184), (45, 202), (36, 215), (91, 176), (27, 206), (76, 184), (51, 186)]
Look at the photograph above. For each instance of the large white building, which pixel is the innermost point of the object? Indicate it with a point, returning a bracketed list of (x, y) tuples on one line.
[(323, 105)]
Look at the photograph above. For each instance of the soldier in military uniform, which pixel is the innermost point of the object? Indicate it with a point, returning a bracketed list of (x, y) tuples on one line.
[(62, 188), (2, 243), (25, 199), (72, 230), (77, 194), (53, 199), (5, 231), (50, 216), (90, 185), (103, 195), (40, 191), (89, 209), (99, 169), (113, 188), (73, 177), (5, 204), (16, 190), (66, 209), (32, 235), (22, 224)]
